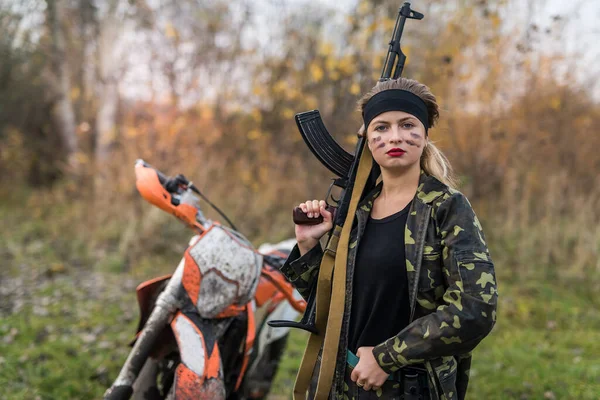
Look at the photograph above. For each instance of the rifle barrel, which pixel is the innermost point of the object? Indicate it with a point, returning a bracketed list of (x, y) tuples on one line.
[(394, 50)]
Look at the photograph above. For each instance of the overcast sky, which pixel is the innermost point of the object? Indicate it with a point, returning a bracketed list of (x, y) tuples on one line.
[(582, 31)]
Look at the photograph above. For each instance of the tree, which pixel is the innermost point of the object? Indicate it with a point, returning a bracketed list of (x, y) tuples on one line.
[(59, 80)]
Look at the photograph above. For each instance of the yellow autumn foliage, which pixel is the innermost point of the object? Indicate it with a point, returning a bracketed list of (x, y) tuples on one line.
[(316, 72), (254, 134)]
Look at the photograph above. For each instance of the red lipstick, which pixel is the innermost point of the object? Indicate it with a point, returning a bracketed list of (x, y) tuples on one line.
[(396, 152)]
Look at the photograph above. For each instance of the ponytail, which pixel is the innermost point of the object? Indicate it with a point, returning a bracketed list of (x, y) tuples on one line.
[(435, 163)]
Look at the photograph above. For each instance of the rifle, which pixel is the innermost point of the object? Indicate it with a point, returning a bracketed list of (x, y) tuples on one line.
[(339, 161)]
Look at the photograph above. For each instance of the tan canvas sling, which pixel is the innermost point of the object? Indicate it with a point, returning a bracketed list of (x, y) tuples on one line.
[(331, 290)]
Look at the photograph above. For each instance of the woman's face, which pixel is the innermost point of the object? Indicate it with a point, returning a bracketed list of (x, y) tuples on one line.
[(396, 139)]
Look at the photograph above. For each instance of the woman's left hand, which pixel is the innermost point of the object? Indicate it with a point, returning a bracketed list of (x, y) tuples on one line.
[(367, 373)]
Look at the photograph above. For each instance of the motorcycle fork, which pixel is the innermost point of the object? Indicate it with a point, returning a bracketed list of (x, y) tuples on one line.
[(167, 303)]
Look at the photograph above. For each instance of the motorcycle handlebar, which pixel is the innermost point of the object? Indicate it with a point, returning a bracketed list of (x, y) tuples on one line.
[(167, 182), (162, 178), (173, 185)]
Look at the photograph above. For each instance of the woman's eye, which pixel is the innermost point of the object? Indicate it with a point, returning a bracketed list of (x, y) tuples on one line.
[(408, 125), (380, 128)]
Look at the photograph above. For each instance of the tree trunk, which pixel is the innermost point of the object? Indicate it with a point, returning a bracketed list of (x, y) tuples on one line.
[(108, 90), (63, 113), (106, 129)]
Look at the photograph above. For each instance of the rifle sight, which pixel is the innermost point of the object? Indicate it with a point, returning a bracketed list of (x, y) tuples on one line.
[(394, 51)]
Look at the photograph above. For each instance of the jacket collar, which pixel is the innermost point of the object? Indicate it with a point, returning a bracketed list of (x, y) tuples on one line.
[(428, 191)]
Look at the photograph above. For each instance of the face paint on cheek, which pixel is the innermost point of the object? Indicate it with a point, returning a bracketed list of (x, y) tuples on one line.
[(416, 139), (378, 139)]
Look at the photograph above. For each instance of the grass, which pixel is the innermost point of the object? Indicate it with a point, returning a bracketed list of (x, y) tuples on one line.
[(546, 345), (68, 340), (68, 311)]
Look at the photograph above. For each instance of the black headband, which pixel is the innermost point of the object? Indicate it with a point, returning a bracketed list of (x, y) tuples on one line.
[(396, 100)]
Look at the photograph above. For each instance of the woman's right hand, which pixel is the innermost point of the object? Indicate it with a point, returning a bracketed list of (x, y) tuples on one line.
[(308, 236)]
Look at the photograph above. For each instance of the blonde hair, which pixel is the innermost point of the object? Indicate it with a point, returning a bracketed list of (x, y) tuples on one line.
[(433, 161)]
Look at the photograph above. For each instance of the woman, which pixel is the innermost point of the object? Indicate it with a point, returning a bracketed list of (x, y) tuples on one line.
[(420, 283)]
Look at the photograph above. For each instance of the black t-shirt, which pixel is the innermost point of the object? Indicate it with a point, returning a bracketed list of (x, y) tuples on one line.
[(380, 305)]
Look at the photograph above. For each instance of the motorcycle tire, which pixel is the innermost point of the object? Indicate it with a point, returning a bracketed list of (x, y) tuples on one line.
[(258, 382)]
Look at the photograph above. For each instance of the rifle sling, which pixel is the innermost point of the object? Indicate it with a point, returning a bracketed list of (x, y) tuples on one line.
[(331, 296)]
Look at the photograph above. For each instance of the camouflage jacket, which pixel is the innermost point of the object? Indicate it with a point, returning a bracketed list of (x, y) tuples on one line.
[(452, 288)]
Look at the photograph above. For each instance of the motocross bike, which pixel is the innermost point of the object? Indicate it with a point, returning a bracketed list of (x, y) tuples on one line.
[(203, 331)]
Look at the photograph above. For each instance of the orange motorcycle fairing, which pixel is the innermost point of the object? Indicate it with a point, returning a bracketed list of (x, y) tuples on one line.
[(199, 374), (265, 291), (220, 273), (147, 292), (192, 281), (283, 286), (149, 186), (250, 336)]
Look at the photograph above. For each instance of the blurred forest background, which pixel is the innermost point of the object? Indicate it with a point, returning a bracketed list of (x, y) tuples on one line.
[(209, 88)]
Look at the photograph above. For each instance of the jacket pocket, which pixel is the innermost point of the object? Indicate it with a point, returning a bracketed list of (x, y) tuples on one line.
[(446, 372), (476, 271)]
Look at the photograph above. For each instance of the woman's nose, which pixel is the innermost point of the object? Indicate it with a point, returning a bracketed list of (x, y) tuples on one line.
[(396, 135)]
